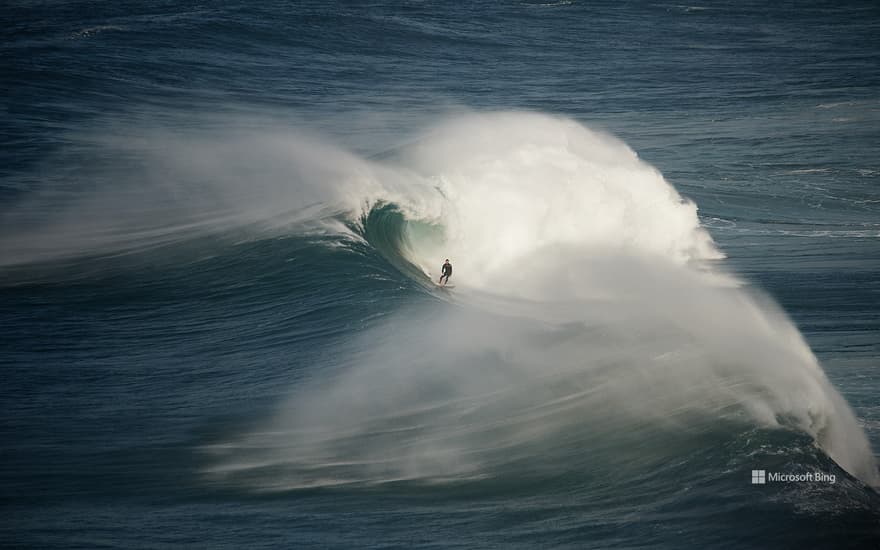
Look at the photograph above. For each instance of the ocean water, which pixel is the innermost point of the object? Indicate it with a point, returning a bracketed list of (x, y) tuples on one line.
[(221, 224)]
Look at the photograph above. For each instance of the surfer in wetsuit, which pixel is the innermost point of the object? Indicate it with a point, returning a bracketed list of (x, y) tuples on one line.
[(447, 272)]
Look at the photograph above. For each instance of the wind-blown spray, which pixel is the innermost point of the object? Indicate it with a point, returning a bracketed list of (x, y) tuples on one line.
[(590, 310)]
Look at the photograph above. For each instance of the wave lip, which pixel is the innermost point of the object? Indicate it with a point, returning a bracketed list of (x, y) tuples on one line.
[(516, 183)]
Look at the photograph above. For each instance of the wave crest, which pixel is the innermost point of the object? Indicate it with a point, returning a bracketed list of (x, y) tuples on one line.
[(584, 310)]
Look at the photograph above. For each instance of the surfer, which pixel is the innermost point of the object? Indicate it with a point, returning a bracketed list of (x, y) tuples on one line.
[(447, 272)]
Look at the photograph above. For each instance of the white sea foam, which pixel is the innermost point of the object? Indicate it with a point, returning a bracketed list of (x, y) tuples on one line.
[(588, 301), (590, 305)]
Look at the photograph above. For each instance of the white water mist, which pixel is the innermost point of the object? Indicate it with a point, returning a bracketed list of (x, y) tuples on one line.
[(588, 301)]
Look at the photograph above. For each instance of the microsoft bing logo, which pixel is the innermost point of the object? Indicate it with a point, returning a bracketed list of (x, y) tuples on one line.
[(761, 477)]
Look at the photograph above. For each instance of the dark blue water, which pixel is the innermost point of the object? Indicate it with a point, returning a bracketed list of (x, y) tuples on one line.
[(217, 227)]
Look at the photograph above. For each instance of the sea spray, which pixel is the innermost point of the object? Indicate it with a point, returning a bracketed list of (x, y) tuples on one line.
[(590, 302), (590, 307)]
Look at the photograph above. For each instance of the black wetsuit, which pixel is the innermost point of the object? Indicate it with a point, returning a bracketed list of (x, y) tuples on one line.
[(447, 272)]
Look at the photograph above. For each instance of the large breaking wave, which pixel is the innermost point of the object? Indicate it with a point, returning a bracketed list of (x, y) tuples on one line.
[(591, 317)]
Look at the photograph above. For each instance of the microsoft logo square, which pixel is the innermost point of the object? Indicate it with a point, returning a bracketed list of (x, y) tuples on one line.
[(759, 477)]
